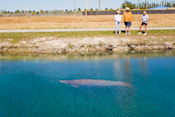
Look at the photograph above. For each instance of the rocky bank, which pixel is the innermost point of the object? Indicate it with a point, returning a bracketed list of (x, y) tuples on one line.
[(88, 44)]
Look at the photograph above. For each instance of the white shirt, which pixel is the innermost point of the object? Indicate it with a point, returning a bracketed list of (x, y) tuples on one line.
[(145, 18), (118, 18)]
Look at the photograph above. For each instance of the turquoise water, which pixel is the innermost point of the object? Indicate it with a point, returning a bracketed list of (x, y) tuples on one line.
[(29, 85)]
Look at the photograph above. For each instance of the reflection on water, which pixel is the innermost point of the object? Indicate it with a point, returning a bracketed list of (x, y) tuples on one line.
[(87, 56), (30, 84)]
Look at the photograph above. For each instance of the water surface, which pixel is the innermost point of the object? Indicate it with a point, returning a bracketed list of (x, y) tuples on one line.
[(29, 85)]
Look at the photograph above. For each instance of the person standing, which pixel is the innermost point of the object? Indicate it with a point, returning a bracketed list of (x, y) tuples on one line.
[(127, 17), (144, 21), (118, 19)]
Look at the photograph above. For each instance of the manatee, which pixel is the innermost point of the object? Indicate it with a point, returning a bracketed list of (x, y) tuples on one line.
[(95, 83)]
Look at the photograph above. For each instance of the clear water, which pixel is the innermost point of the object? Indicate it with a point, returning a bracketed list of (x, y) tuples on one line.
[(29, 85)]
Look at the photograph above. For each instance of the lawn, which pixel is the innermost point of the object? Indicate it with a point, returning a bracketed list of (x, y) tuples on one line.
[(32, 35)]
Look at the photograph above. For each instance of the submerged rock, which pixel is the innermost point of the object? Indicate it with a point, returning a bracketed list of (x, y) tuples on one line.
[(117, 49), (97, 47), (109, 47), (5, 49)]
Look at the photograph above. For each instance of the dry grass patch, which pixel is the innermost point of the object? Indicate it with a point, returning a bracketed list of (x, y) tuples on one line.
[(106, 21)]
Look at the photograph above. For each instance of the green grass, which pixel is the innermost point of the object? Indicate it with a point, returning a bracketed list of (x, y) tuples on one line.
[(31, 35)]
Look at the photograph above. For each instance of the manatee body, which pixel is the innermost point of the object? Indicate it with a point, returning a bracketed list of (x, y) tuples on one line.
[(95, 83)]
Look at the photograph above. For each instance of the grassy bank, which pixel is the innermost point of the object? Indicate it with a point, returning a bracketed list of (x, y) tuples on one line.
[(16, 37), (77, 42)]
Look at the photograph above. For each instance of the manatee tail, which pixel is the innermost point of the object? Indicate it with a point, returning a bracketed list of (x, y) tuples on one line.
[(124, 84)]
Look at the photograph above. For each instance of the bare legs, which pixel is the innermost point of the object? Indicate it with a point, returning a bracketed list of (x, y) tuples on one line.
[(141, 28), (127, 29), (145, 28)]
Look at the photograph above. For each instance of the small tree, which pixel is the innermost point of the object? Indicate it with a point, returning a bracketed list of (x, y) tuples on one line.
[(168, 5), (91, 9), (5, 12), (47, 12), (41, 11), (106, 8), (17, 11), (129, 4), (79, 9)]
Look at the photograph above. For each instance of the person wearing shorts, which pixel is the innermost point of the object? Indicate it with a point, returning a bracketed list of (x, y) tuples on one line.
[(127, 17), (127, 24), (144, 21)]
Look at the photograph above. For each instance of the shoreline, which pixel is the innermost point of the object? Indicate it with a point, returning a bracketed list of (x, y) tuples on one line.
[(87, 56), (84, 42), (86, 49)]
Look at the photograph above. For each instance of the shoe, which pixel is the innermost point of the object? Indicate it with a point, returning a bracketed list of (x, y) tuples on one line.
[(119, 33), (129, 33), (145, 34), (139, 33), (115, 33), (126, 33)]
